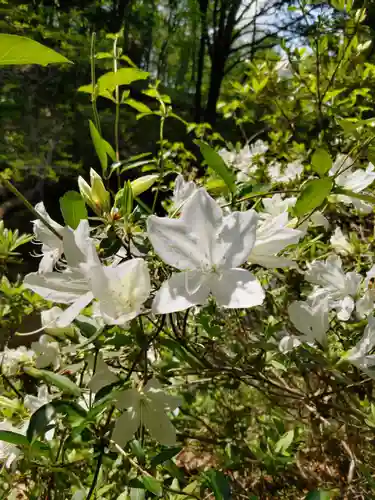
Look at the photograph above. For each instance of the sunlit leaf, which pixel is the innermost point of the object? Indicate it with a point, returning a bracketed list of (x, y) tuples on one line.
[(215, 161), (152, 485), (321, 161), (100, 147), (313, 195), (124, 76), (139, 106), (284, 442), (73, 208), (16, 49), (60, 381)]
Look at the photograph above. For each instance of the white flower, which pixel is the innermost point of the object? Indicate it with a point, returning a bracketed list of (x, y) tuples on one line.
[(353, 180), (340, 243), (52, 246), (208, 248), (148, 407), (287, 174), (273, 235), (365, 305), (276, 205), (359, 354), (102, 376), (182, 191), (47, 352), (284, 68), (120, 289), (49, 319), (71, 285), (12, 359), (310, 319), (243, 160), (318, 219), (9, 452), (338, 287)]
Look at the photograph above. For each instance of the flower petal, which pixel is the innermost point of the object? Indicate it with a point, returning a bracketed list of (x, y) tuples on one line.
[(237, 288), (159, 425), (236, 239), (125, 427), (72, 311), (174, 243), (173, 296), (345, 308), (63, 287)]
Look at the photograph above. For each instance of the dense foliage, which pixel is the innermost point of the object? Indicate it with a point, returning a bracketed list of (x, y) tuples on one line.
[(198, 319)]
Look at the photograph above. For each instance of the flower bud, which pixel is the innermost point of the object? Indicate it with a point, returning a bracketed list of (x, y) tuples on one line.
[(143, 183), (100, 195)]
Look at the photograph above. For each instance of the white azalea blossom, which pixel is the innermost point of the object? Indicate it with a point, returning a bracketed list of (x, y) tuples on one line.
[(340, 243), (11, 360), (70, 286), (333, 283), (310, 319), (285, 174), (147, 406), (243, 160), (52, 245), (120, 289), (366, 304), (359, 355), (47, 352), (182, 191), (49, 319), (356, 180), (207, 247), (276, 205), (274, 235)]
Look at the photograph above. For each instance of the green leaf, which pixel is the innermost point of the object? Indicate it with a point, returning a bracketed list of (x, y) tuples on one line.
[(16, 49), (73, 208), (165, 455), (219, 484), (14, 438), (60, 381), (318, 495), (321, 161), (313, 195), (139, 106), (21, 440), (124, 76), (100, 147), (152, 485), (40, 421), (109, 150), (137, 494), (284, 442), (215, 161)]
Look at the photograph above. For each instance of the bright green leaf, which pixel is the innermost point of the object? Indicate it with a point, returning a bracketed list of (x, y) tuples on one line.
[(73, 208), (139, 106), (284, 442), (313, 195), (124, 76), (321, 161), (152, 485), (215, 161), (100, 147), (143, 183), (16, 49)]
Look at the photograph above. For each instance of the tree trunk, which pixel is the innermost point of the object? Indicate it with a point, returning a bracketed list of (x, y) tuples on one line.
[(216, 79), (203, 6)]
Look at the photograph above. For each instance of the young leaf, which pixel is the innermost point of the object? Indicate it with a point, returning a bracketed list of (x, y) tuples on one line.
[(73, 208), (16, 49), (219, 484), (284, 442), (143, 183), (124, 76), (313, 195), (139, 106), (100, 147), (152, 485), (215, 161), (321, 161), (14, 438)]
